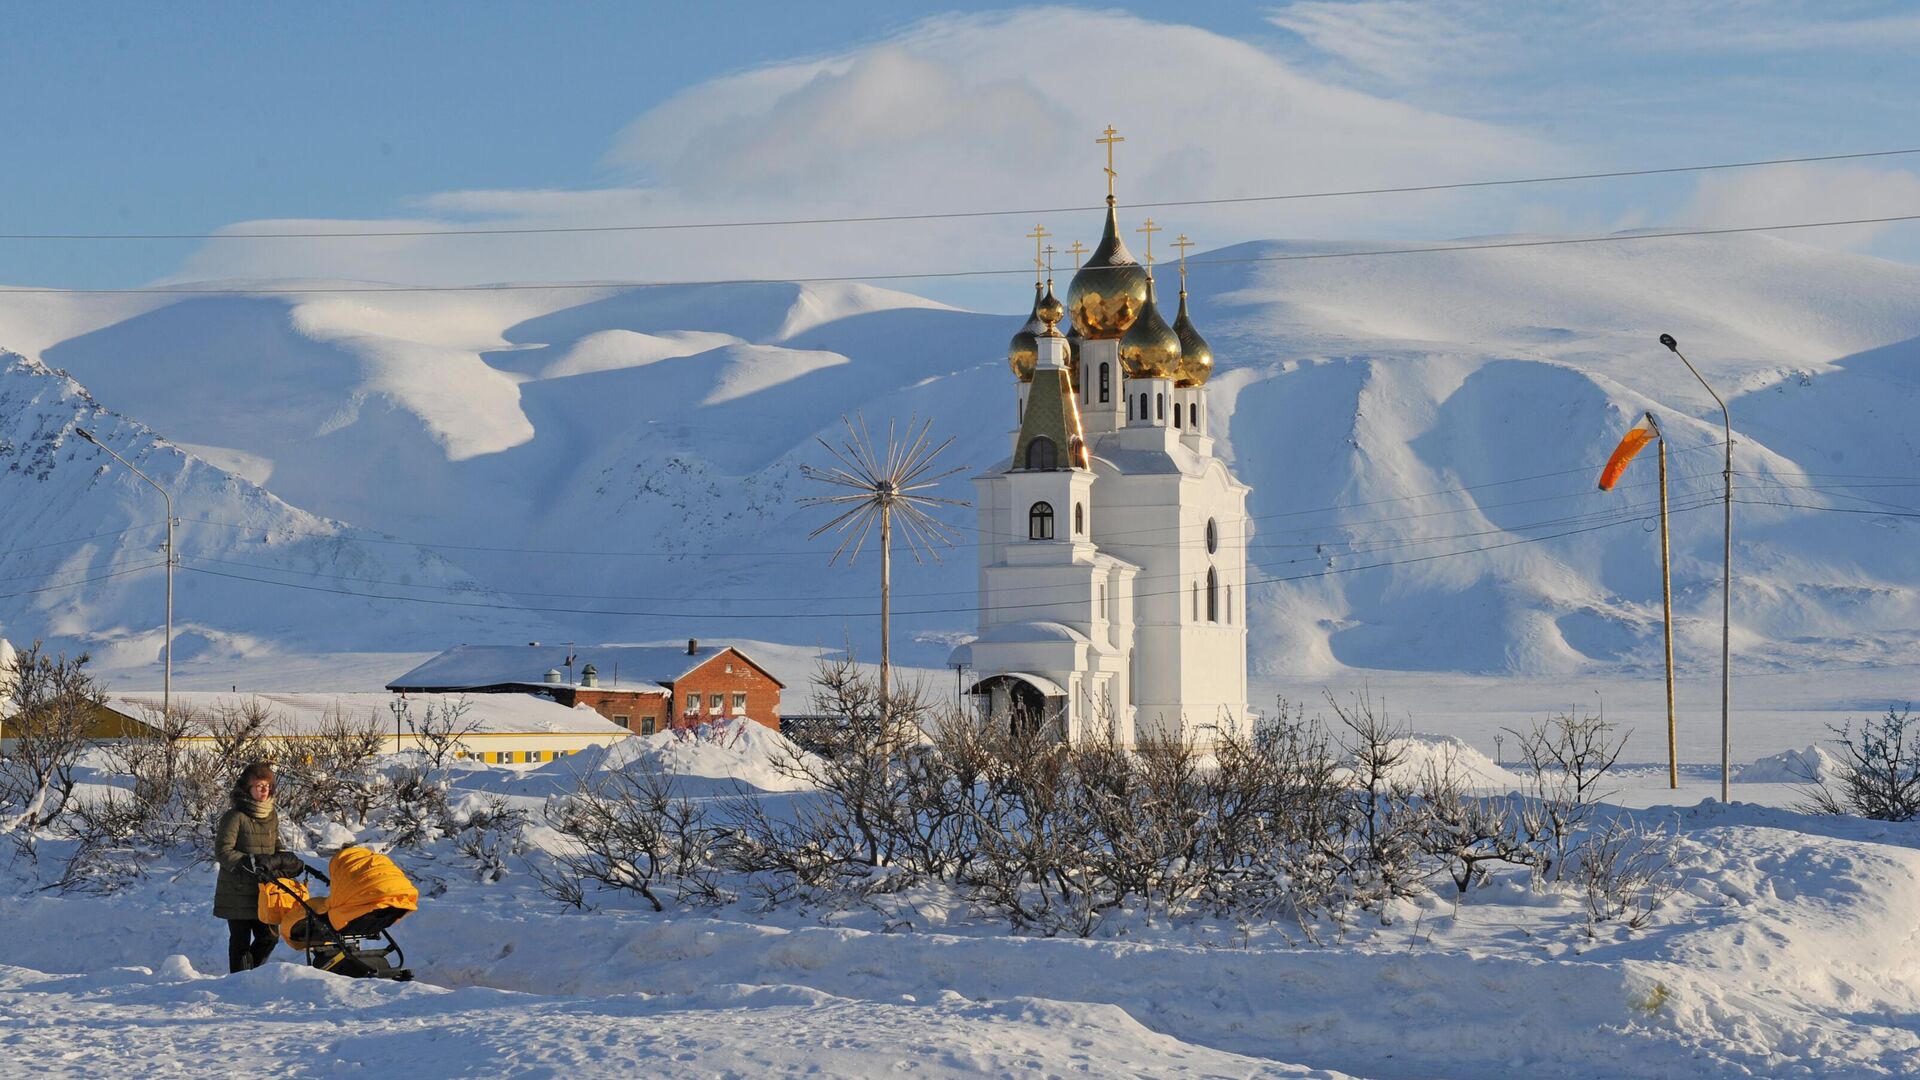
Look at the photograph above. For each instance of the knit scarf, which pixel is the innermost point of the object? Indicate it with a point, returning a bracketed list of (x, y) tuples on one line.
[(259, 809)]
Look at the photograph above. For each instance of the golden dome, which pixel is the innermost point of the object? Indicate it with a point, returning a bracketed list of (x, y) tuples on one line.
[(1049, 311), (1108, 292), (1150, 349), (1196, 356), (1023, 352)]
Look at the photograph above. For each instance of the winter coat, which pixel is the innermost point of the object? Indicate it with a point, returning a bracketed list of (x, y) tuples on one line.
[(236, 895), (364, 880)]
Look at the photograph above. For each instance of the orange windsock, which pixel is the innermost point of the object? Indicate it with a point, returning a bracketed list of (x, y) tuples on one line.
[(1636, 439)]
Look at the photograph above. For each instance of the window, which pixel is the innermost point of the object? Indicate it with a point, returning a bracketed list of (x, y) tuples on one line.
[(1106, 383), (1213, 595), (739, 703), (1176, 414), (535, 756), (624, 721), (1080, 378), (646, 725), (693, 704), (1229, 603), (1129, 408), (1196, 601), (1213, 536), (1160, 406), (1143, 406), (1193, 416), (1079, 519), (1103, 601), (1040, 522), (717, 705), (1041, 453)]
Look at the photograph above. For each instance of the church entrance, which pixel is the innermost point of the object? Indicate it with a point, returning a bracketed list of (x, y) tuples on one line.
[(1028, 704)]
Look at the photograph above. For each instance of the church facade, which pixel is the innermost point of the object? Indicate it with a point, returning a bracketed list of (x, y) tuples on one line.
[(1112, 575)]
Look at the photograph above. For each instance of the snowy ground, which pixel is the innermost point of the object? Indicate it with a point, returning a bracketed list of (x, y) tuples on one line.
[(1787, 951)]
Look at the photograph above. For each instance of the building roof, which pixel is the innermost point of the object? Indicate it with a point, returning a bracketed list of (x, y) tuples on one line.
[(647, 668), (307, 714)]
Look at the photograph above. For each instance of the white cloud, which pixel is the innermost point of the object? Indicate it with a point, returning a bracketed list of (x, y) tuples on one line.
[(960, 113), (1805, 193)]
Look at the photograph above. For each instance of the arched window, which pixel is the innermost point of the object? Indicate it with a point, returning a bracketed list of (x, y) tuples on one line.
[(1079, 519), (1080, 378), (1196, 601), (1106, 383), (1160, 406), (1040, 522), (1129, 408), (1193, 416), (1229, 603), (1041, 453), (1143, 407), (1176, 414), (1213, 536), (1213, 595), (1020, 413)]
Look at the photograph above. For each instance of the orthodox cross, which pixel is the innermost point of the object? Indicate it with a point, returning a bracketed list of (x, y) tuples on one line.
[(1112, 135), (1149, 228), (1038, 236), (1078, 250), (1183, 244), (1050, 249)]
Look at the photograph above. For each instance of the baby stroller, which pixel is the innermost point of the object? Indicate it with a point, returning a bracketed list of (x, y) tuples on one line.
[(347, 932)]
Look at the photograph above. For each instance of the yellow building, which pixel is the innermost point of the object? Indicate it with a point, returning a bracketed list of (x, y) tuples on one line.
[(501, 728)]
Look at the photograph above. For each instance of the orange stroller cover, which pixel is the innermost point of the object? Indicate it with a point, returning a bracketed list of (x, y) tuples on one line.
[(364, 880), (275, 905)]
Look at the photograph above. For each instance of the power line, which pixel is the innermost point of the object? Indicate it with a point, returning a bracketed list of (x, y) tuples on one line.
[(930, 275), (1832, 509), (83, 581), (1612, 515), (998, 537), (81, 539), (954, 214), (539, 609)]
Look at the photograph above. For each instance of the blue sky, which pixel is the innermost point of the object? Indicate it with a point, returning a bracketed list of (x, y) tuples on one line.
[(193, 118)]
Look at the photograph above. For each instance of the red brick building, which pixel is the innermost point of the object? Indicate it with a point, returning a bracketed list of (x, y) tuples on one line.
[(643, 688)]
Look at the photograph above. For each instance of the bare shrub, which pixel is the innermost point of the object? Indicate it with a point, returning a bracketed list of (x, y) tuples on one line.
[(332, 774), (54, 703), (628, 831), (486, 829), (1567, 760), (1621, 870), (1468, 834), (1381, 810), (1880, 773)]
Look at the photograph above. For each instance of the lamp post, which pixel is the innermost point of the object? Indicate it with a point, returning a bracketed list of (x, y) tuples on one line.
[(1726, 584), (166, 676)]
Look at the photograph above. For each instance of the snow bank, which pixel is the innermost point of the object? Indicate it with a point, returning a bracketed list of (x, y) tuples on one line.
[(1419, 753), (734, 749), (1810, 765)]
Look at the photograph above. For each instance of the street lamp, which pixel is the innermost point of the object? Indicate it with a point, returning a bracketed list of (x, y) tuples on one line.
[(166, 677), (1726, 586)]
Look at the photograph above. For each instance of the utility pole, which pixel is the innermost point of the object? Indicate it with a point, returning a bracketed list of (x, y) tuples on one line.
[(1726, 586)]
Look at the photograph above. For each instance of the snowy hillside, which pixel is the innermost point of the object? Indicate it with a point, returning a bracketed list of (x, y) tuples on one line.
[(81, 545), (628, 459)]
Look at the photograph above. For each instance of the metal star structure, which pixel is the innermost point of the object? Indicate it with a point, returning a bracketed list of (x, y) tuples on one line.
[(882, 482)]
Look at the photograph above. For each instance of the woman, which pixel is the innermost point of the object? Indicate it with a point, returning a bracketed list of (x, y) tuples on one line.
[(248, 834)]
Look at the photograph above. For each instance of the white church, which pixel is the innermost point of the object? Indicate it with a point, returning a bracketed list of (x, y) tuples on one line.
[(1113, 541)]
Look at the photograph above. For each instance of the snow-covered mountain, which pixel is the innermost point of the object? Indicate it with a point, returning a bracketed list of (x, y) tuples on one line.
[(82, 548), (1422, 432)]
